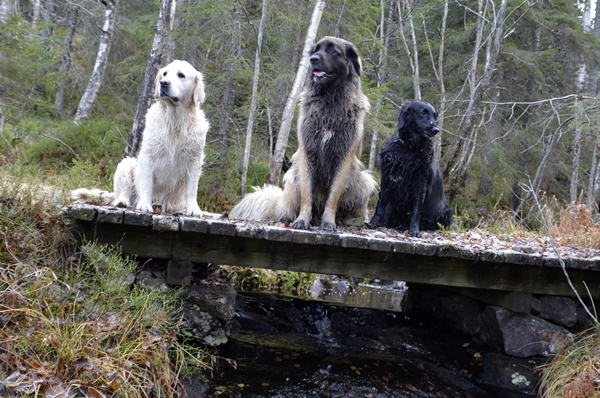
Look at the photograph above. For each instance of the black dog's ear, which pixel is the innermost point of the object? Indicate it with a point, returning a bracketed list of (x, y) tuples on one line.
[(352, 56), (405, 113)]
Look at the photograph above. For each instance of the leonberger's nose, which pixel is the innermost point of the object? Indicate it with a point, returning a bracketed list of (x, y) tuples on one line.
[(314, 59)]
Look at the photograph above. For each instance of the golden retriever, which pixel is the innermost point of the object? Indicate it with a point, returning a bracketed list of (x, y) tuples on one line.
[(169, 164)]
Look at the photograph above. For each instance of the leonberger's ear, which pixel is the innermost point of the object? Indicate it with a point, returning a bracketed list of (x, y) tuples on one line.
[(403, 117), (157, 80), (352, 56), (198, 96)]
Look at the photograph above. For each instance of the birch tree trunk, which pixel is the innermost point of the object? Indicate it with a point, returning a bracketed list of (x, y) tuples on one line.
[(91, 92), (254, 98), (7, 8), (413, 55), (158, 57), (288, 111), (465, 144), (380, 73), (65, 62)]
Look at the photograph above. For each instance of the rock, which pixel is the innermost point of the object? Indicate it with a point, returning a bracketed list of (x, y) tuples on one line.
[(460, 312), (511, 373), (208, 311), (519, 334), (153, 280), (560, 310)]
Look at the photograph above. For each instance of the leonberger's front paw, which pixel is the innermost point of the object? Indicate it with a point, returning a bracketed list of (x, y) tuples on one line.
[(301, 223), (327, 226)]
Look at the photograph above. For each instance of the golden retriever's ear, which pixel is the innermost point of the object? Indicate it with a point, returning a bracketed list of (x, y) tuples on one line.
[(352, 56), (157, 80), (198, 89)]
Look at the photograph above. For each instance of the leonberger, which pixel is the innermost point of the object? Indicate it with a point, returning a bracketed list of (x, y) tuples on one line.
[(327, 182), (169, 164)]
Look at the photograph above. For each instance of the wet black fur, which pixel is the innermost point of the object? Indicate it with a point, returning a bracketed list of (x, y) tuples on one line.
[(412, 191), (330, 104)]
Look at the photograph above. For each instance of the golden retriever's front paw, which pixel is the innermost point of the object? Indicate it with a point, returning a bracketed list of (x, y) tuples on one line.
[(193, 211), (145, 207)]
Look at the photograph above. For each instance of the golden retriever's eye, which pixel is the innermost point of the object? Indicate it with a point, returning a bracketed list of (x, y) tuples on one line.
[(165, 73), (181, 75)]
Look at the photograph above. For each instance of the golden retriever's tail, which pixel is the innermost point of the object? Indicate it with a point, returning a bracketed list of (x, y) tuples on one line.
[(266, 203), (92, 196)]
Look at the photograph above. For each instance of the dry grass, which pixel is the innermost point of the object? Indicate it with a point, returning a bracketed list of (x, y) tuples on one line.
[(73, 324), (574, 372), (576, 227)]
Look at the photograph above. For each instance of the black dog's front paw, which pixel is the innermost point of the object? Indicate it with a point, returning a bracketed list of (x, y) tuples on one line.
[(414, 232)]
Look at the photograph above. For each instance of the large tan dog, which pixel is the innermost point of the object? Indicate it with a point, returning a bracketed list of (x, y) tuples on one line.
[(169, 164), (326, 182)]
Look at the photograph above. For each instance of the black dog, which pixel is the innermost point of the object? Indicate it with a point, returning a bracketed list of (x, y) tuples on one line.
[(412, 191)]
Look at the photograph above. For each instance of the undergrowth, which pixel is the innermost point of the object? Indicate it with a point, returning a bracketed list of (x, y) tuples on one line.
[(74, 324)]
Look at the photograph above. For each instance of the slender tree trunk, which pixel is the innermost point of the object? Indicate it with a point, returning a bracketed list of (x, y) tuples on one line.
[(230, 91), (254, 97), (537, 179), (7, 8), (464, 147), (288, 112), (37, 11), (59, 100), (158, 57), (91, 92), (577, 139), (413, 55), (380, 72), (590, 201)]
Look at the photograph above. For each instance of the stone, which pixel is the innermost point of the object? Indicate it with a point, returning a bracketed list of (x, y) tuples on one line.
[(559, 310), (519, 334), (460, 312), (153, 280), (179, 272), (516, 374), (208, 311)]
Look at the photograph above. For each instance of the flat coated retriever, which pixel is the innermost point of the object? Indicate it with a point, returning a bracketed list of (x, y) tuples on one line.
[(412, 191)]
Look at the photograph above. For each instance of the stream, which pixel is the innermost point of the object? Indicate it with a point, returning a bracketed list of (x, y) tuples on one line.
[(348, 341)]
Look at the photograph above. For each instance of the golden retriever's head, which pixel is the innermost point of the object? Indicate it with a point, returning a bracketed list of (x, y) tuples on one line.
[(180, 83), (332, 59)]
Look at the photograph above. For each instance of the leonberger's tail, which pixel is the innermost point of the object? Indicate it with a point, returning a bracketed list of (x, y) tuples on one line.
[(266, 203), (92, 196)]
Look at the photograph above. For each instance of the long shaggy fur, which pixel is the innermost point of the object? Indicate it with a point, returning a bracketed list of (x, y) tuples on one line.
[(169, 164), (326, 182), (412, 191)]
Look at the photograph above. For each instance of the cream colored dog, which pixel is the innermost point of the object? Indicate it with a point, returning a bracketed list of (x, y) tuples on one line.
[(169, 164)]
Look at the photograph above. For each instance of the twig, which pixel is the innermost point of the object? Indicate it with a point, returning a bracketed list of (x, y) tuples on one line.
[(560, 260), (65, 145)]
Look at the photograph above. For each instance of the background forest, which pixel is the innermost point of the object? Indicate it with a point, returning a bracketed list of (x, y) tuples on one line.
[(514, 83)]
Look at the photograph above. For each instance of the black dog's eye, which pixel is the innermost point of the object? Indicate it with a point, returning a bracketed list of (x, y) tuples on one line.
[(425, 112), (181, 75)]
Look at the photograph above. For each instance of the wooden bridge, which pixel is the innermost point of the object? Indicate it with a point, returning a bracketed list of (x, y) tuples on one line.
[(505, 275)]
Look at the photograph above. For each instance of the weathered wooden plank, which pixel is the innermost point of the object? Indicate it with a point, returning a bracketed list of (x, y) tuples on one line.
[(327, 256)]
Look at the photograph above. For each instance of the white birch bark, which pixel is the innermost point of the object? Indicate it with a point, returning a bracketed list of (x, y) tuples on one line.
[(91, 92), (254, 98), (413, 55), (381, 70), (7, 8), (158, 57), (288, 112), (576, 152)]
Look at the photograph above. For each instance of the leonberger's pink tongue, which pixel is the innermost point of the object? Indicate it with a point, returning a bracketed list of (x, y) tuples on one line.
[(319, 73)]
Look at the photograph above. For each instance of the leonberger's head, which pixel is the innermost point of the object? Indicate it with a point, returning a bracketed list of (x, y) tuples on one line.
[(332, 59)]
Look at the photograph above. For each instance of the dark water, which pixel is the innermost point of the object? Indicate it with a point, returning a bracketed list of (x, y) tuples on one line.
[(290, 348)]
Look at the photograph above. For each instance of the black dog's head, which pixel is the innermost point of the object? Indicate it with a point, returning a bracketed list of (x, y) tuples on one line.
[(332, 59), (417, 117)]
